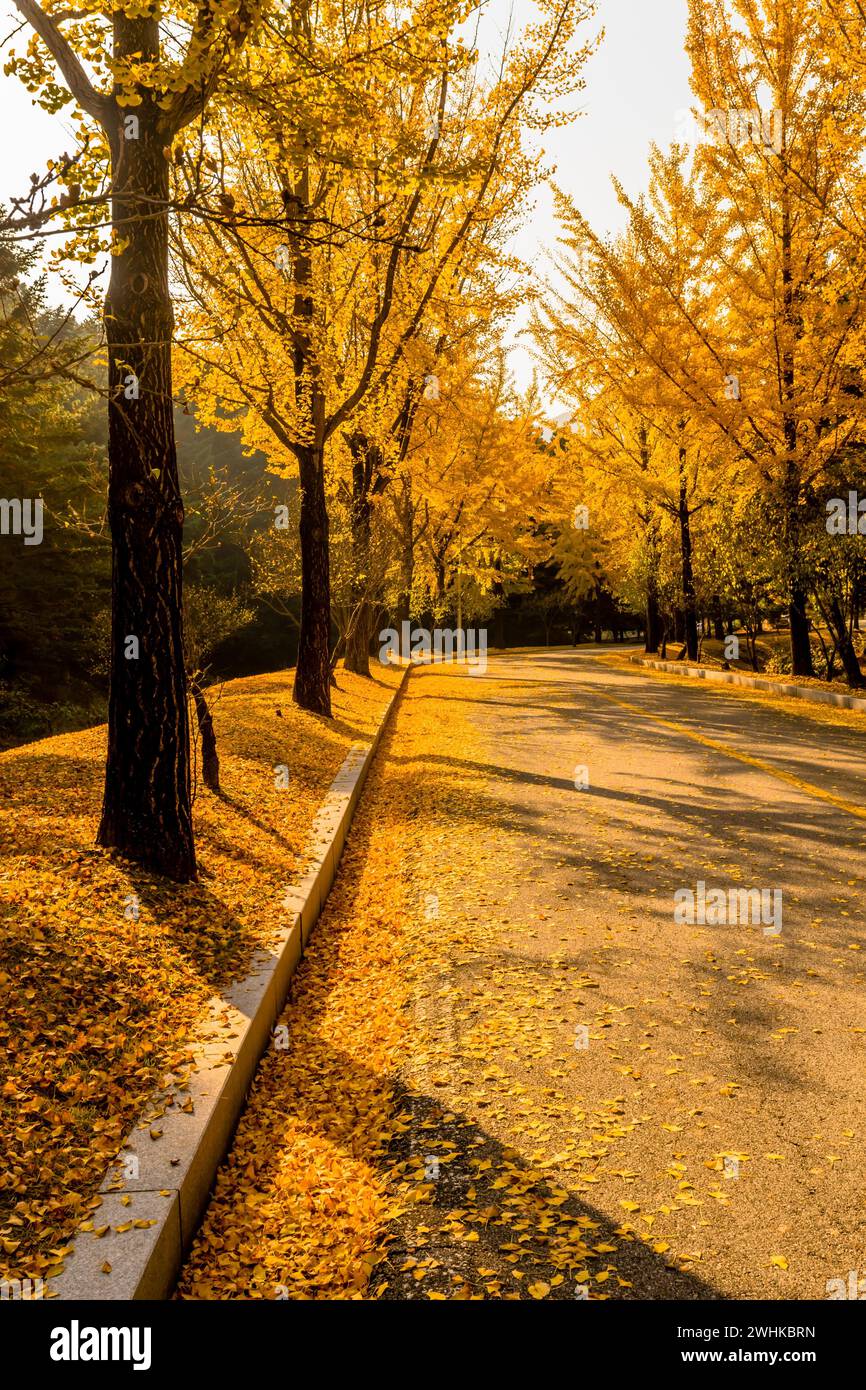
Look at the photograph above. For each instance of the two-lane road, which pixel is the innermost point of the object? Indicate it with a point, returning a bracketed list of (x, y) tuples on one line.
[(734, 1058), (586, 1094)]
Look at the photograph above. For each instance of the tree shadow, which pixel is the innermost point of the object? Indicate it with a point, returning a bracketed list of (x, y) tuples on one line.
[(239, 809), (473, 1206), (489, 1210)]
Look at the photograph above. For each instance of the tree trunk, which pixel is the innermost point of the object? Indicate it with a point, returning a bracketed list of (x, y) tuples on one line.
[(690, 622), (407, 553), (210, 763), (650, 520), (653, 619), (404, 598), (801, 647), (312, 689), (146, 812), (358, 640), (358, 636), (845, 646), (439, 572)]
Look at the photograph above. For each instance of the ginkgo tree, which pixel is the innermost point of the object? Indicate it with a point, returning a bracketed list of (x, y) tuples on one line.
[(300, 333), (608, 342), (732, 310), (486, 490), (138, 73)]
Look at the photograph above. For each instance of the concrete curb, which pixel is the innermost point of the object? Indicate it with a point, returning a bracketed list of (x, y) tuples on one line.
[(159, 1185), (799, 692)]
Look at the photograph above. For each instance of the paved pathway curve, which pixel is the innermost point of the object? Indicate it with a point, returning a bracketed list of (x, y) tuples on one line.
[(594, 1096)]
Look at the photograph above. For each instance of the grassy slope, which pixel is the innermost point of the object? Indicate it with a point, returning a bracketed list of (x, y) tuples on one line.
[(96, 1007)]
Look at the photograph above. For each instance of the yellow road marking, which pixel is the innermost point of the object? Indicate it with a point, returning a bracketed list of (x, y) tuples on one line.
[(808, 787)]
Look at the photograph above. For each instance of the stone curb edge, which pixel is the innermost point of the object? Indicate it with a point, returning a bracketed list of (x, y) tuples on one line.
[(800, 692), (179, 1141)]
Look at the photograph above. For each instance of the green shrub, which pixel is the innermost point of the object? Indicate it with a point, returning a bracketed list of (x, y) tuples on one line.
[(778, 663), (24, 717)]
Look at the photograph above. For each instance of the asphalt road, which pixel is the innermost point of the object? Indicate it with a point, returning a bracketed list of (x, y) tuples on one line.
[(594, 1097), (719, 1067)]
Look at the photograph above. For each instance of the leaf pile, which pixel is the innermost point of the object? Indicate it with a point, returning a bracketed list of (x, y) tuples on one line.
[(96, 1006)]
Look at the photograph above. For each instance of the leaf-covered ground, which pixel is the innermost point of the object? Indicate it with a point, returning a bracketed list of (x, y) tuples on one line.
[(304, 1194), (510, 1073), (104, 969), (401, 1146)]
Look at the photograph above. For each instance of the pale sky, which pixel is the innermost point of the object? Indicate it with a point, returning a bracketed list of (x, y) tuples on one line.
[(637, 88)]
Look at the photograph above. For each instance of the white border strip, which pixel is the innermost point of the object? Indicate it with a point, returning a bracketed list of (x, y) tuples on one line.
[(799, 692), (179, 1141)]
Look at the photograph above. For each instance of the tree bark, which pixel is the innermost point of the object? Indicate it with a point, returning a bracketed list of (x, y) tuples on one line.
[(407, 573), (653, 612), (358, 638), (690, 622), (312, 688), (845, 645), (146, 811), (439, 572), (210, 763), (653, 619), (801, 647)]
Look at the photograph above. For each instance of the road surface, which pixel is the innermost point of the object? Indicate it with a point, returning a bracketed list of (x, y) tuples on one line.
[(594, 1096)]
